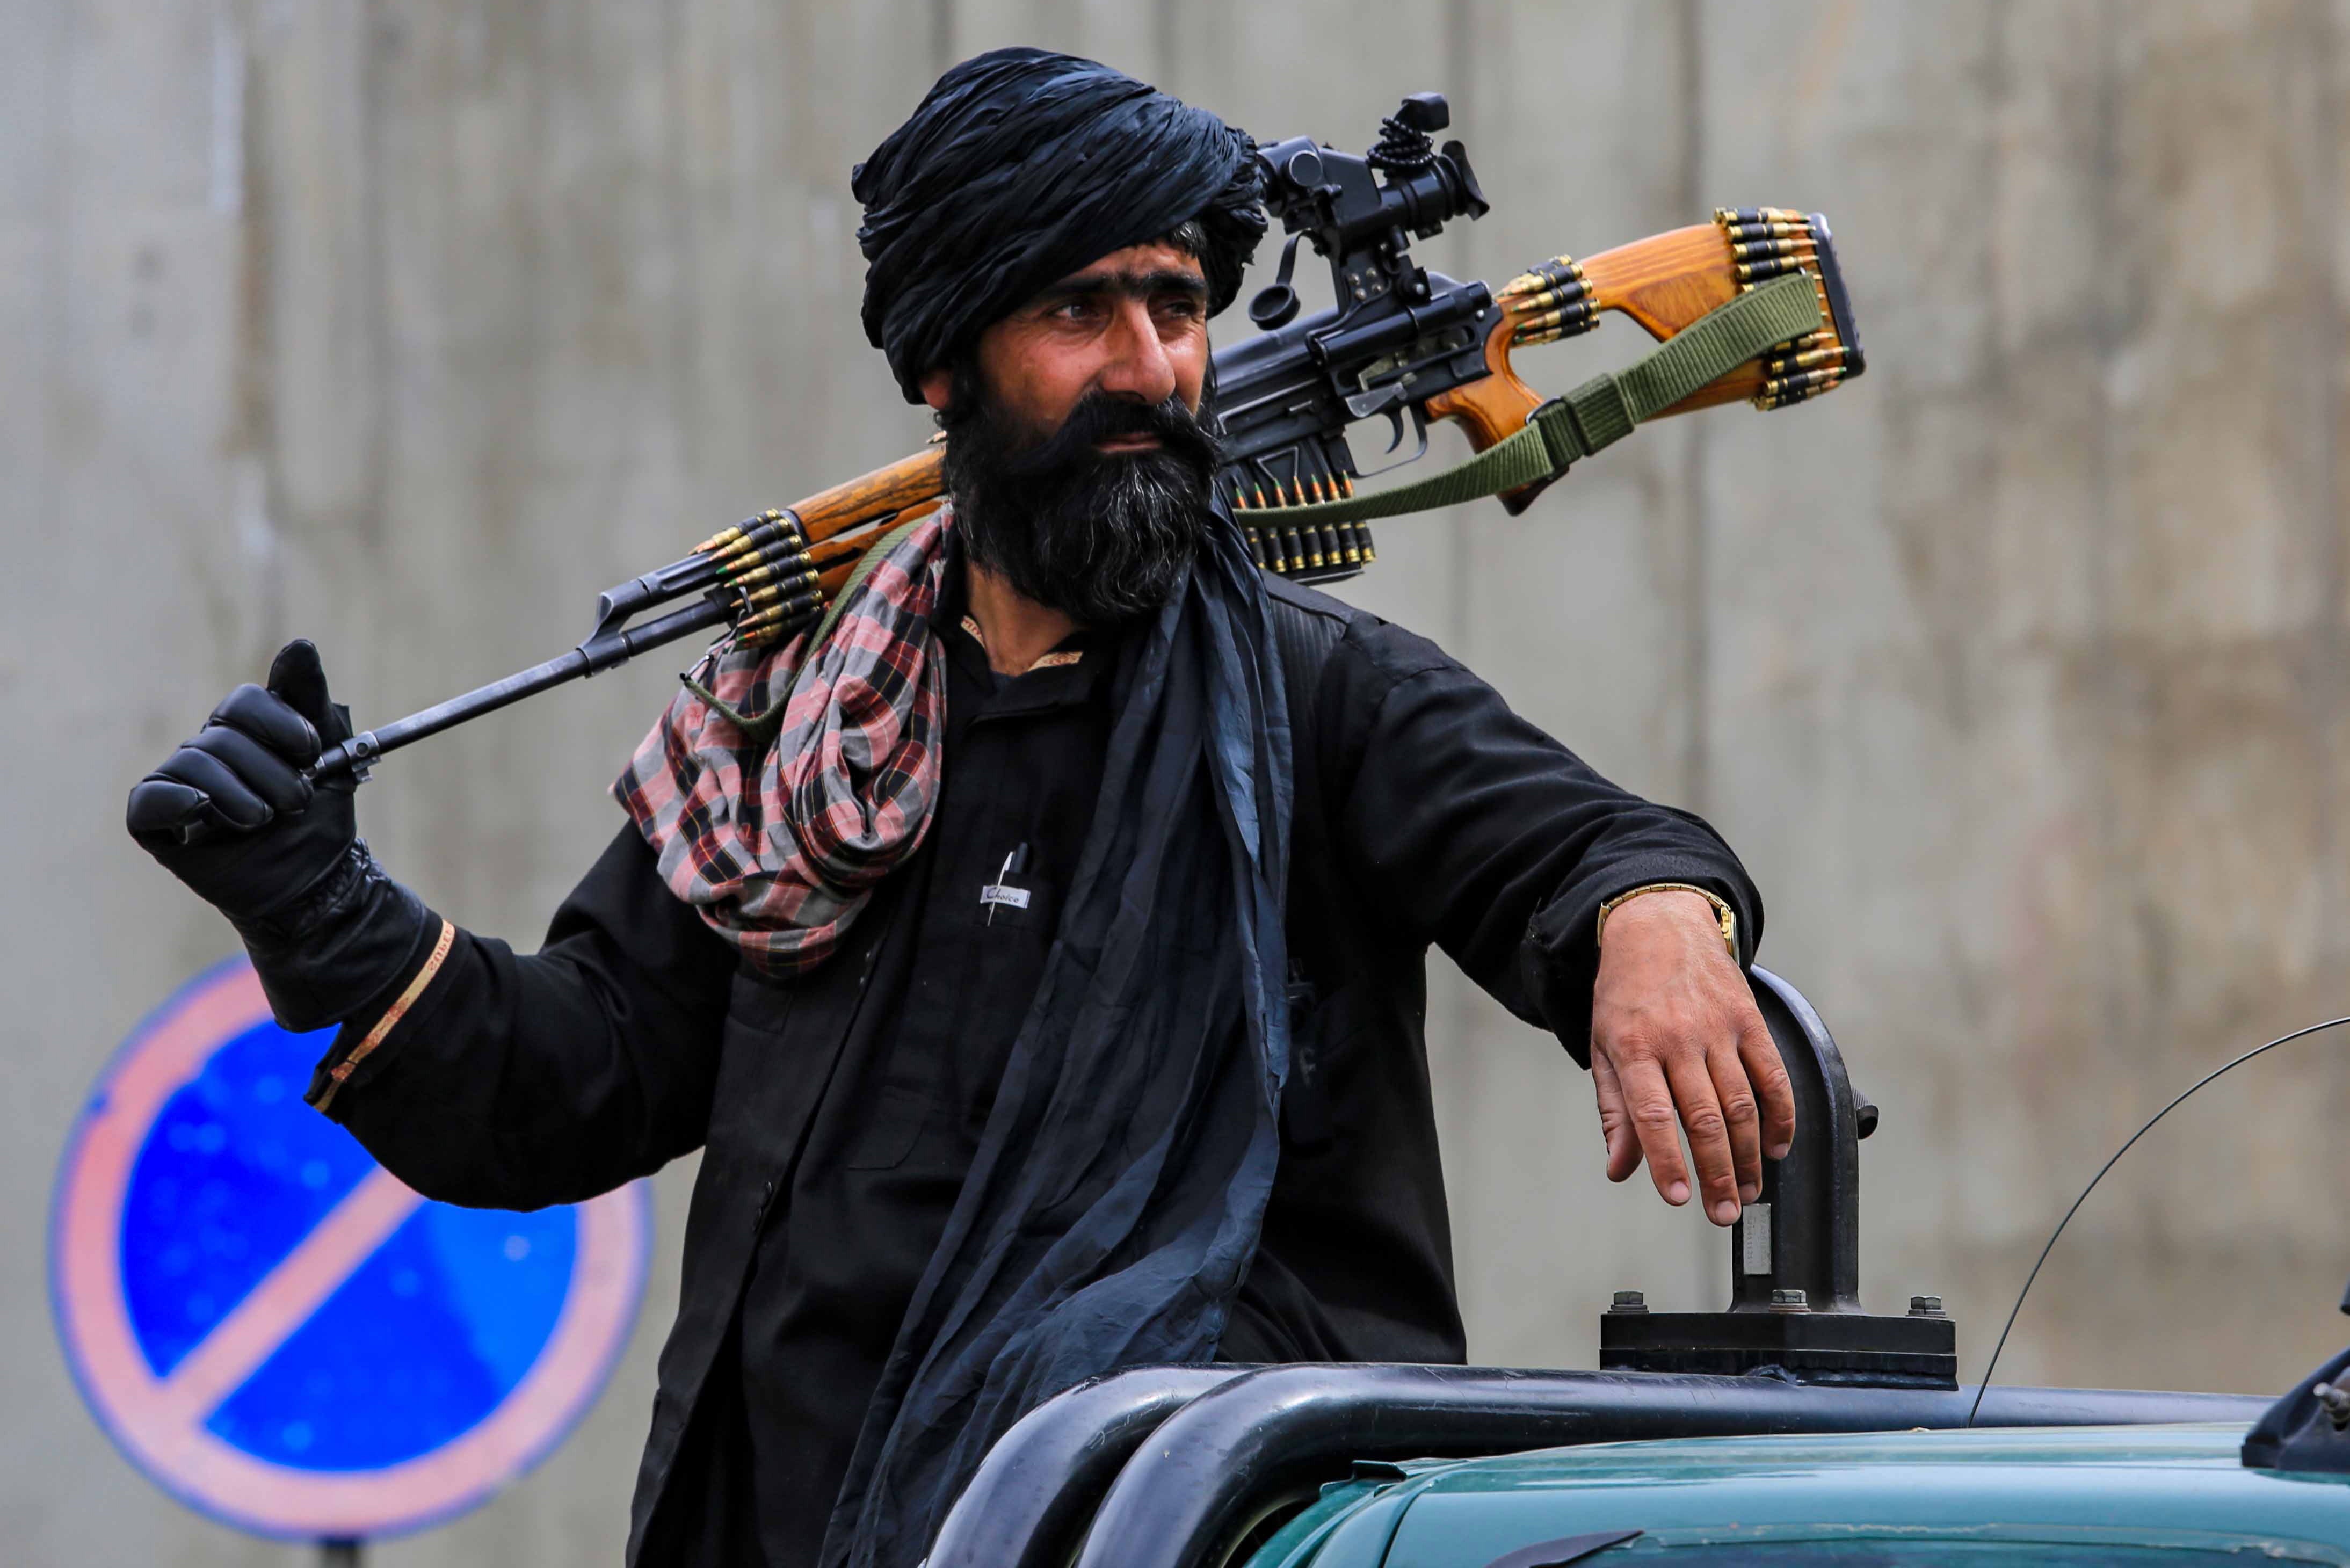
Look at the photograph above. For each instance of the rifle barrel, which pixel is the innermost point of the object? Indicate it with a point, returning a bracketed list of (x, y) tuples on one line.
[(357, 755)]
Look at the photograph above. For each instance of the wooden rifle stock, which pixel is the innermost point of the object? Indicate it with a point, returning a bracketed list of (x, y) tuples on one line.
[(1665, 283)]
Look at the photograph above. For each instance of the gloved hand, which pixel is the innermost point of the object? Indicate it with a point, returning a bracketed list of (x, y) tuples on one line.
[(231, 814)]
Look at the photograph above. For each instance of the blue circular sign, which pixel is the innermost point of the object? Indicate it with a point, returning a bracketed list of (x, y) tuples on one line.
[(279, 1332)]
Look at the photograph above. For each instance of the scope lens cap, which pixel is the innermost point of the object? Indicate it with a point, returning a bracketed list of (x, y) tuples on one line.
[(1303, 168), (1426, 111), (1274, 306)]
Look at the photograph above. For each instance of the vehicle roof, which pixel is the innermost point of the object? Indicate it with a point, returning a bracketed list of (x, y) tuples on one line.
[(2156, 1486)]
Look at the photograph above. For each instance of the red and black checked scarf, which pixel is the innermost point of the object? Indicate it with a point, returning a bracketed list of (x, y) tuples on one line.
[(777, 837)]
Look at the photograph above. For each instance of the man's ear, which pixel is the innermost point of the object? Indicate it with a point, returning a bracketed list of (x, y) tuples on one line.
[(936, 384)]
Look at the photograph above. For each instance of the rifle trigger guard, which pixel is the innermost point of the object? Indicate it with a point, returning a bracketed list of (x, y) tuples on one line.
[(1419, 428)]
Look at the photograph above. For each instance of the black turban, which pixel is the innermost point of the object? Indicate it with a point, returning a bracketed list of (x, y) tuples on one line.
[(1021, 166)]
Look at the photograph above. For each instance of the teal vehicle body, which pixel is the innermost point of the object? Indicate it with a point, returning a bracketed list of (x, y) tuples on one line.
[(2153, 1494), (1792, 1428)]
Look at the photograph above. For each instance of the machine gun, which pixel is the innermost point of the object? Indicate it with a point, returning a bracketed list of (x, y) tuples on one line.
[(1400, 343), (1404, 343)]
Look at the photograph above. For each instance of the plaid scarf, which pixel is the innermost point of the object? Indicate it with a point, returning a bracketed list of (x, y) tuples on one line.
[(776, 837)]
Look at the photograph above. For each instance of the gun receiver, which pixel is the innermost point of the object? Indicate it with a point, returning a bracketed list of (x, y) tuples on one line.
[(1400, 343)]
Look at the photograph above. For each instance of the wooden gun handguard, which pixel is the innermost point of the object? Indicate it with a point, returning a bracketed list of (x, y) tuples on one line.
[(844, 522), (1665, 283)]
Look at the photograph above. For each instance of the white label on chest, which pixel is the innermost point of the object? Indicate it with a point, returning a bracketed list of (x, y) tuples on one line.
[(996, 893)]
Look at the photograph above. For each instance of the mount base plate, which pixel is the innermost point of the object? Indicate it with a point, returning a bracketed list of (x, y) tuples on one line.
[(1844, 1347)]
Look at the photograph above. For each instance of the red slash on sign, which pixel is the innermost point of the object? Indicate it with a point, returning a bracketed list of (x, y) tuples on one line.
[(284, 1301)]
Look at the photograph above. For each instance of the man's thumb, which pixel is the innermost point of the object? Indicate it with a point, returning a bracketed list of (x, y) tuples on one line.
[(297, 680)]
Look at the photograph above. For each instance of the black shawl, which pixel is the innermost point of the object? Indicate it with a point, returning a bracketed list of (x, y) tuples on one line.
[(1114, 1205)]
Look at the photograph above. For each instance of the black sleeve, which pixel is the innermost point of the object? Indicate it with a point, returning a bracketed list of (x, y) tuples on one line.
[(1467, 826), (511, 1082)]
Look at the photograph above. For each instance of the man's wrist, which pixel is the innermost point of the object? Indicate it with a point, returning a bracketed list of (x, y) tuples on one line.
[(357, 931), (347, 1056), (326, 900), (1725, 917)]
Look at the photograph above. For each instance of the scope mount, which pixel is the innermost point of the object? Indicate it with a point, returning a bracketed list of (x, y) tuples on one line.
[(1362, 212), (1794, 1254)]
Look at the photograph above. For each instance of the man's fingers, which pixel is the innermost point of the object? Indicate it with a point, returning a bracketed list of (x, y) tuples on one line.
[(1709, 1139), (259, 768), (272, 721), (165, 807), (1775, 1095), (1615, 1120), (1735, 1095), (1649, 1105), (232, 802)]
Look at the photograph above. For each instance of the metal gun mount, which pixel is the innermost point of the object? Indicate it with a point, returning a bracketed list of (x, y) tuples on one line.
[(1336, 200), (1395, 336), (1794, 1254), (2308, 1428)]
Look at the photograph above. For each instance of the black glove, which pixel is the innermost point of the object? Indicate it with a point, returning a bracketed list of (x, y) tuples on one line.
[(231, 814)]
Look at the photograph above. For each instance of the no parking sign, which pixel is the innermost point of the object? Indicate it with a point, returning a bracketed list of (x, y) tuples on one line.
[(276, 1329)]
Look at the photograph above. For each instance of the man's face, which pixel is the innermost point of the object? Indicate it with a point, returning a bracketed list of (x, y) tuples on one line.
[(1132, 325), (1080, 473)]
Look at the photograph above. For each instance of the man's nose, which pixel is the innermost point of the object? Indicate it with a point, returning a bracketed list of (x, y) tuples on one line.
[(1138, 364)]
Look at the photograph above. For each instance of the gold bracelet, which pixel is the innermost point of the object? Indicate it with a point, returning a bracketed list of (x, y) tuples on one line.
[(392, 1015), (1722, 911)]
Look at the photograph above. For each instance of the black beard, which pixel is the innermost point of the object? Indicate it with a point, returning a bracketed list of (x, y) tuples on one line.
[(1103, 537)]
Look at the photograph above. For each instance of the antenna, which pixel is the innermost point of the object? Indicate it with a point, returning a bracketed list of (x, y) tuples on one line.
[(2215, 1073)]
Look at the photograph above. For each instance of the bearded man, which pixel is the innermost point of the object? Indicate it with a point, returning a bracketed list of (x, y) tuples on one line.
[(1037, 961)]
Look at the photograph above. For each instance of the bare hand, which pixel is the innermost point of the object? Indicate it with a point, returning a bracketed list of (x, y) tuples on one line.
[(1677, 1044)]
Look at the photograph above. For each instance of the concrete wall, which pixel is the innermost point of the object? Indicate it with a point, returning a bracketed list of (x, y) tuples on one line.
[(2016, 672)]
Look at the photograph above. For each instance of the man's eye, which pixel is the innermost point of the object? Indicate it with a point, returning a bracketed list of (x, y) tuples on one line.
[(1075, 310)]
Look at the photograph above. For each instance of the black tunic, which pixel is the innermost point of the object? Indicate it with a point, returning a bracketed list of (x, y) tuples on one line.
[(838, 1113)]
